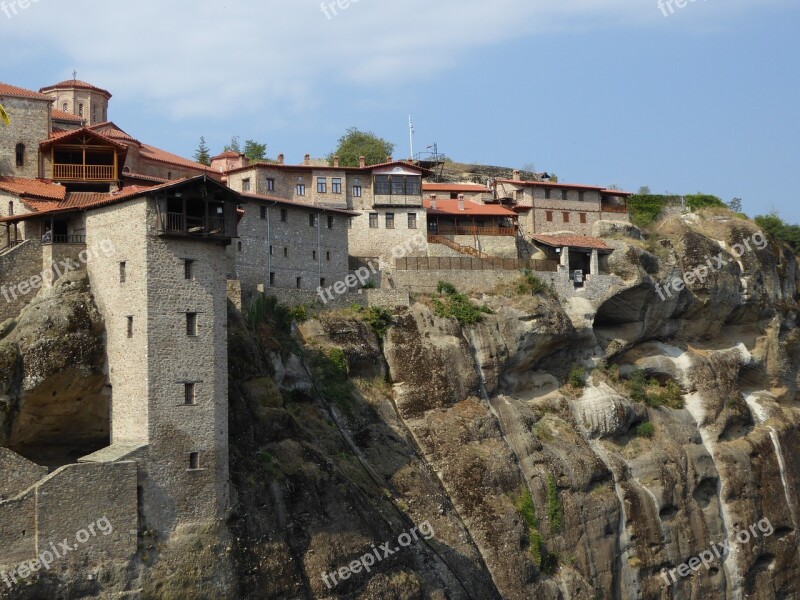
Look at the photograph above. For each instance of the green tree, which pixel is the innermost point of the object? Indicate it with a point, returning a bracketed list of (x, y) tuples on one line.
[(644, 190), (357, 143), (779, 229), (255, 151), (736, 205), (202, 154), (234, 146)]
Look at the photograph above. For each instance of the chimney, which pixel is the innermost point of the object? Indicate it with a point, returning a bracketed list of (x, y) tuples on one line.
[(280, 159), (336, 161), (362, 162), (433, 201), (461, 202), (307, 160), (517, 175)]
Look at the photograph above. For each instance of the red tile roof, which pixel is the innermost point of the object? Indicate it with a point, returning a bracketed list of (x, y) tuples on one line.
[(615, 193), (548, 184), (226, 154), (303, 167), (158, 155), (75, 83), (65, 135), (34, 188), (140, 176), (473, 209), (110, 130), (18, 92), (455, 187), (295, 204), (60, 115), (573, 241)]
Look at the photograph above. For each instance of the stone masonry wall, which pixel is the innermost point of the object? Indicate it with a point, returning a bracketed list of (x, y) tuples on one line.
[(179, 493), (295, 251), (17, 473), (18, 265), (30, 124), (366, 241)]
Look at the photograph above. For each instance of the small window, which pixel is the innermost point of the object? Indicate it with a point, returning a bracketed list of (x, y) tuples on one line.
[(583, 217), (336, 185), (453, 195), (94, 114), (299, 282), (313, 255), (328, 255), (263, 212), (270, 249), (412, 220), (389, 220), (565, 216), (246, 184), (349, 222), (64, 107), (301, 189), (270, 185), (284, 215), (330, 222), (373, 220), (322, 185), (188, 268), (194, 461), (322, 282), (239, 246), (189, 395), (80, 110), (20, 152), (356, 191), (272, 278), (548, 214), (122, 273), (130, 327), (191, 324), (563, 194), (10, 208), (285, 252), (311, 220), (519, 195), (547, 193)]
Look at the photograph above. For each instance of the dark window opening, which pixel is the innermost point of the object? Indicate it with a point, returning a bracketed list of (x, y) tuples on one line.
[(188, 268), (330, 222), (130, 327), (284, 215), (191, 324), (373, 220), (20, 152), (189, 394), (122, 273), (194, 461)]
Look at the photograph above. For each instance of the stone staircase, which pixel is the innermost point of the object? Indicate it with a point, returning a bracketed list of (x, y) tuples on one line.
[(523, 248), (466, 250)]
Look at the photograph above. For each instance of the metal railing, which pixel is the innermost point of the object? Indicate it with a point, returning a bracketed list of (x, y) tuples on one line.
[(84, 172), (63, 239), (468, 263)]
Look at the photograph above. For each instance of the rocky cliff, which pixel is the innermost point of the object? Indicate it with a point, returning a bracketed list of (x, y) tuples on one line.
[(639, 447)]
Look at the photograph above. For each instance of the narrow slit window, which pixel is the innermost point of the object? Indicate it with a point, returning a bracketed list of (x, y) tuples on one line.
[(122, 272), (194, 461), (188, 268), (189, 394), (191, 324), (130, 326), (272, 278)]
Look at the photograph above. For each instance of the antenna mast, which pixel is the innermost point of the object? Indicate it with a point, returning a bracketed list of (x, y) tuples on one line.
[(411, 136)]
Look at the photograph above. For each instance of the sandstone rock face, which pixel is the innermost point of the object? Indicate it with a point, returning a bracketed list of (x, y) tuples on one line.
[(52, 373)]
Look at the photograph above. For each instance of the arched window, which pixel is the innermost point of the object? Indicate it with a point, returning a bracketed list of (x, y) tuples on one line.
[(20, 155), (64, 107), (80, 110)]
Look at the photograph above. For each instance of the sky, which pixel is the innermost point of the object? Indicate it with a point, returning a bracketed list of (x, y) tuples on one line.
[(701, 96)]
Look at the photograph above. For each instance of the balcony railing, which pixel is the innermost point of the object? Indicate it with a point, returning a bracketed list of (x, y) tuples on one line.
[(84, 172), (63, 239), (180, 223), (613, 208), (472, 230)]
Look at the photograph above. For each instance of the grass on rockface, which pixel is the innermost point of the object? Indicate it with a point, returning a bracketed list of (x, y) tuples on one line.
[(577, 377), (646, 430), (452, 305), (545, 561), (530, 284), (647, 390), (267, 309), (378, 318), (555, 510), (330, 371)]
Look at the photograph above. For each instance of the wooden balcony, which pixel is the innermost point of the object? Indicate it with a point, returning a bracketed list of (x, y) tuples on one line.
[(474, 230), (66, 172), (182, 224), (614, 208)]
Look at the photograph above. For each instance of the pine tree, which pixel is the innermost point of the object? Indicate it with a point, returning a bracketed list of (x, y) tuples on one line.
[(202, 154)]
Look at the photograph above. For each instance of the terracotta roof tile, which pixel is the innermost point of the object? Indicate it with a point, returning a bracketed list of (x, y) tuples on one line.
[(18, 92), (455, 187), (548, 184), (226, 154), (36, 188), (153, 153), (60, 115), (573, 241), (76, 83), (450, 207)]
